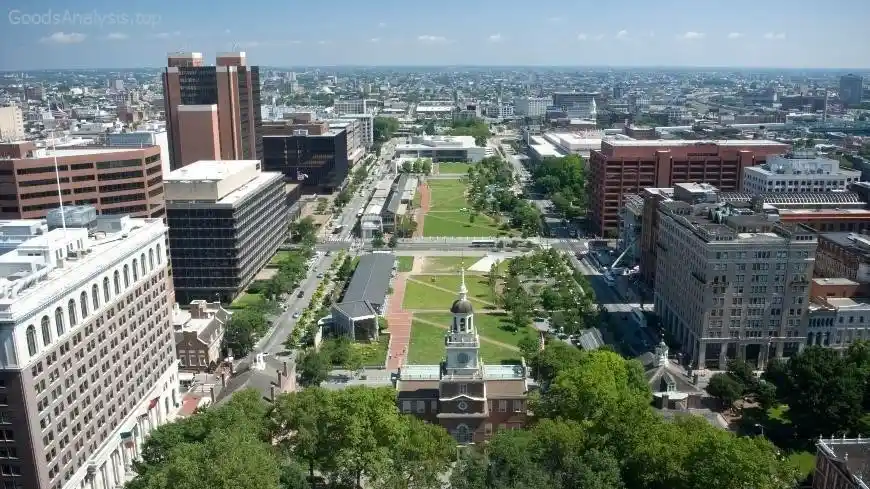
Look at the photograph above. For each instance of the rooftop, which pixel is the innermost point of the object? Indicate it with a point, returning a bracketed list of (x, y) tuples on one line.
[(851, 454), (371, 280), (219, 182), (692, 142), (438, 142)]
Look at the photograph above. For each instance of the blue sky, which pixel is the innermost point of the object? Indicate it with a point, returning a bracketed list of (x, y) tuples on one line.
[(134, 33)]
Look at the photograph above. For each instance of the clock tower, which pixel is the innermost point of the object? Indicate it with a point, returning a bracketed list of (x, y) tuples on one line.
[(462, 343)]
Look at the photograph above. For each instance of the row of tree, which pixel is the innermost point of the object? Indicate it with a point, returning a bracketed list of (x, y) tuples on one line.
[(419, 166), (492, 190), (563, 181), (595, 429), (471, 127)]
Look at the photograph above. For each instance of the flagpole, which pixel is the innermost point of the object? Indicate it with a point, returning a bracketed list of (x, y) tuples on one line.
[(57, 180)]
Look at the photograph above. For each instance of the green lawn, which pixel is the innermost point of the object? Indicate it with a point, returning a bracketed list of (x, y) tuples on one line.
[(489, 325), (804, 461), (427, 347), (420, 295), (453, 167), (445, 219), (246, 300), (279, 257), (447, 195), (406, 263), (373, 354), (449, 264)]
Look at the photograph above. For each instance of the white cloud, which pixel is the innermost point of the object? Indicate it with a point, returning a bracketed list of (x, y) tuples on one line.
[(775, 36), (734, 35), (117, 36), (382, 24), (432, 39), (64, 38), (167, 35), (693, 35), (582, 37), (375, 39), (495, 38), (623, 34)]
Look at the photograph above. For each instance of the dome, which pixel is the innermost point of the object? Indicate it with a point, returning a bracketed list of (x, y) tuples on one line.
[(461, 306)]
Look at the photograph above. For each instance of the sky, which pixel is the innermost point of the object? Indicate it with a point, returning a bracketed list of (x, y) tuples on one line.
[(46, 34)]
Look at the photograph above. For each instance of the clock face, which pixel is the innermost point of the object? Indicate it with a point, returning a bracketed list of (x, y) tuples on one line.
[(462, 405), (462, 358)]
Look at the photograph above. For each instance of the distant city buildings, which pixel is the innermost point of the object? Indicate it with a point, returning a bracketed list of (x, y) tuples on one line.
[(11, 124), (621, 167), (343, 107), (212, 112), (798, 172), (115, 180), (532, 106), (226, 219), (851, 89), (87, 359), (442, 148)]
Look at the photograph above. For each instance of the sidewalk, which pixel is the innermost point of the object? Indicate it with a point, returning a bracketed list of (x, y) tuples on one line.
[(399, 323)]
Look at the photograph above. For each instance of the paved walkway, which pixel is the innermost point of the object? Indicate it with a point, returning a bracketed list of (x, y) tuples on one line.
[(400, 324), (425, 203)]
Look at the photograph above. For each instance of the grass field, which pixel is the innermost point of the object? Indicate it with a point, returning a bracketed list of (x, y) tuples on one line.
[(406, 263), (279, 257), (449, 264), (373, 354), (453, 167), (246, 300), (489, 325), (427, 346), (445, 219), (425, 292)]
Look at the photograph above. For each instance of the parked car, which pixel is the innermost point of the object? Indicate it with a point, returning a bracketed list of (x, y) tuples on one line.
[(301, 294), (296, 315)]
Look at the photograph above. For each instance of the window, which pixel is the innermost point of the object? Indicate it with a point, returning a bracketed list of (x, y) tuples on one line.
[(518, 405), (159, 254), (151, 260), (463, 388), (434, 406), (126, 276), (58, 321), (31, 340), (502, 405), (463, 434), (142, 263), (71, 309), (46, 330), (135, 270), (406, 406), (83, 304), (106, 296), (421, 407), (95, 295), (117, 283)]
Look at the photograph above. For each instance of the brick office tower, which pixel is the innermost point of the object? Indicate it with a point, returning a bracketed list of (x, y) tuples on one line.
[(469, 399), (624, 167), (212, 112)]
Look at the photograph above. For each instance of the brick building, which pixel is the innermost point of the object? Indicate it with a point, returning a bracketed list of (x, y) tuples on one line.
[(469, 399), (628, 166)]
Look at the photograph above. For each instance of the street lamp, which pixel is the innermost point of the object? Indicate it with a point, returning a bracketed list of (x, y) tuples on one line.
[(760, 427)]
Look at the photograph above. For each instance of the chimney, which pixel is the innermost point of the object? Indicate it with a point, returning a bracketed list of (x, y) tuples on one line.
[(212, 394), (285, 369), (279, 379), (272, 391), (223, 380)]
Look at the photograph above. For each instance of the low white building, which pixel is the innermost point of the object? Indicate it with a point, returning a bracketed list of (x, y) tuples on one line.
[(442, 148), (837, 322), (532, 106), (802, 171)]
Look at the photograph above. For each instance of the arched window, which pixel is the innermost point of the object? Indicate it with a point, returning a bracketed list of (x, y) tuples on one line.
[(95, 295), (126, 276), (31, 340), (83, 304), (151, 260), (71, 310), (46, 331), (142, 264), (135, 270), (117, 283), (58, 321), (159, 254), (463, 434), (106, 296)]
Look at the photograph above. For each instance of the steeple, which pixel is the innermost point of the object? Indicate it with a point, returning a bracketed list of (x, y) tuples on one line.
[(463, 290)]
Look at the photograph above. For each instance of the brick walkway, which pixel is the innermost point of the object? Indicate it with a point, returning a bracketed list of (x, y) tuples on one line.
[(399, 323), (425, 199)]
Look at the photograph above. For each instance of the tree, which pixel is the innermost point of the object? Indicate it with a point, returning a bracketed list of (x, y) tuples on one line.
[(304, 230), (420, 455), (492, 277), (743, 373), (529, 346), (407, 167), (555, 358), (378, 240), (293, 476), (313, 367), (384, 128), (394, 241), (550, 299), (725, 388), (301, 422), (765, 393), (426, 168), (244, 328)]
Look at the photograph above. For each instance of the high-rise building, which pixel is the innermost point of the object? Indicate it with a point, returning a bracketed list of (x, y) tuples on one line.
[(307, 152), (212, 112), (851, 89), (532, 106), (471, 400), (226, 220), (115, 180), (622, 167), (800, 171), (367, 121), (11, 124), (357, 106), (87, 357), (730, 282)]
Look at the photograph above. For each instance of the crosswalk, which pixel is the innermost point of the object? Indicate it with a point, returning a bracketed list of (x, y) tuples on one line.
[(333, 238)]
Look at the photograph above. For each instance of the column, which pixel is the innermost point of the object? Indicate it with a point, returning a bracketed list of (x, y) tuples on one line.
[(702, 354), (741, 352), (778, 350), (104, 477), (116, 468), (723, 356)]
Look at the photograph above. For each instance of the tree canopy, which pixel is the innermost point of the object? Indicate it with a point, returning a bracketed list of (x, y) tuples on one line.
[(563, 181)]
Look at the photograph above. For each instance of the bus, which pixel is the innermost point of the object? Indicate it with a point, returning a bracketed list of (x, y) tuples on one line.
[(483, 243)]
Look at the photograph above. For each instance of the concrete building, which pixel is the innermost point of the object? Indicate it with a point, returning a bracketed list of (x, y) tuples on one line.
[(115, 180), (11, 124), (199, 332), (356, 148), (400, 199), (731, 283), (87, 361), (212, 112), (137, 139), (367, 131), (844, 255), (442, 148), (470, 399), (307, 152), (226, 219), (842, 463), (357, 106), (356, 316), (851, 90), (580, 143), (371, 221), (622, 167), (837, 322), (531, 106), (799, 171)]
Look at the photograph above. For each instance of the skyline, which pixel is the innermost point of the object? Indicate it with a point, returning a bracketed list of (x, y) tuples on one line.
[(100, 34)]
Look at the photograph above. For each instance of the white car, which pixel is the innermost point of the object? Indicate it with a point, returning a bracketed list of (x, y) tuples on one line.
[(296, 315)]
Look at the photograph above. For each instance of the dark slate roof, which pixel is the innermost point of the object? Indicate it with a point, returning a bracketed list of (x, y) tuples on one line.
[(262, 381), (461, 307), (590, 339), (355, 309), (371, 280), (394, 201)]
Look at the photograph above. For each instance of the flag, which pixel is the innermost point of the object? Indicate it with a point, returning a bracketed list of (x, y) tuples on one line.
[(300, 176), (153, 403), (127, 439)]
